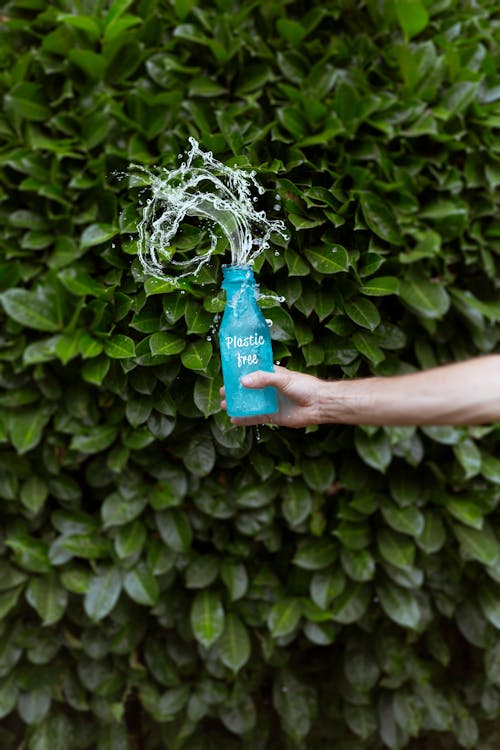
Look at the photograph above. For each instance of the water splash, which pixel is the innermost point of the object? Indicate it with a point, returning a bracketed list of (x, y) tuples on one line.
[(217, 195)]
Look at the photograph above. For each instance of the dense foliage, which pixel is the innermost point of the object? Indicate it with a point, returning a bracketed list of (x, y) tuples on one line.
[(170, 581)]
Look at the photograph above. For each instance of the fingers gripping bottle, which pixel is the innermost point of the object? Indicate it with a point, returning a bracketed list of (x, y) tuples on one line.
[(245, 345)]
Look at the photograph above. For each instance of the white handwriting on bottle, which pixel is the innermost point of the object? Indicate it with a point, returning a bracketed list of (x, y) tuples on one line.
[(241, 342)]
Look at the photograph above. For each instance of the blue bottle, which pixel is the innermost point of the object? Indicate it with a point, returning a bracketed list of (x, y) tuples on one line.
[(245, 345)]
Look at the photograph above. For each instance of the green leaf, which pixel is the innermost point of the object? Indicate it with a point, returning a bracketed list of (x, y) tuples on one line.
[(396, 549), (200, 455), (46, 595), (206, 395), (54, 733), (412, 16), (490, 468), (489, 601), (318, 473), (314, 554), (82, 545), (90, 62), (381, 286), (96, 370), (328, 260), (326, 585), (8, 695), (100, 438), (238, 713), (234, 644), (130, 539), (290, 30), (175, 530), (80, 283), (117, 510), (358, 564), (141, 585), (88, 24), (375, 450), (235, 577), (207, 617), (297, 502), (469, 457), (380, 218), (103, 593), (366, 345), (96, 234), (409, 520), (296, 705), (466, 511), (427, 298), (166, 343), (30, 309), (360, 666), (362, 720), (197, 355), (119, 346), (363, 312), (478, 544), (400, 605), (67, 346), (202, 571), (33, 706), (27, 101), (284, 617), (351, 604), (26, 428), (459, 96), (9, 599), (30, 553)]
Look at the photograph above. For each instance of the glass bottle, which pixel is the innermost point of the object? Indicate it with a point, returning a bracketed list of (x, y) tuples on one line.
[(245, 345)]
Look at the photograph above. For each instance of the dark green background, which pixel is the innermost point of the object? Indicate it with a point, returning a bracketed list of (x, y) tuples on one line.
[(170, 581)]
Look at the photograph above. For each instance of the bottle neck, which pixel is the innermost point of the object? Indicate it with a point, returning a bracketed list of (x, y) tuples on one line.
[(238, 280)]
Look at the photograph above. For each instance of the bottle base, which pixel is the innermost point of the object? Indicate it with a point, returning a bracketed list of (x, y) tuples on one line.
[(253, 403)]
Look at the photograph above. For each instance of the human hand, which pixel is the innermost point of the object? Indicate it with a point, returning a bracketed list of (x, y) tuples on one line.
[(298, 398)]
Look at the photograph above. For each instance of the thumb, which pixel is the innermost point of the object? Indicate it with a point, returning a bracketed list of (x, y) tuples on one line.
[(259, 379)]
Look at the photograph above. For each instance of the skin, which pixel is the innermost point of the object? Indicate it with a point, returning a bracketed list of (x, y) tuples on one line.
[(456, 394)]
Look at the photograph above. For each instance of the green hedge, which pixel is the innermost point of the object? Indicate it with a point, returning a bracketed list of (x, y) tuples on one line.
[(168, 580)]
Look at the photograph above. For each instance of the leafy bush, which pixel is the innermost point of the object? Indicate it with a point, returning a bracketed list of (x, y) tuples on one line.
[(168, 580)]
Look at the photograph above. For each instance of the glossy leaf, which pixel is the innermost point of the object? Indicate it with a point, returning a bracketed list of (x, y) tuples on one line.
[(48, 597), (234, 644), (284, 617), (207, 617), (103, 592)]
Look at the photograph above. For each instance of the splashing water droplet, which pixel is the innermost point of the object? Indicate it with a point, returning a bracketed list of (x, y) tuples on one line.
[(209, 191)]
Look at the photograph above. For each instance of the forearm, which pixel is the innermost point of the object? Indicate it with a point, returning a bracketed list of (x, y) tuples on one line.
[(461, 393)]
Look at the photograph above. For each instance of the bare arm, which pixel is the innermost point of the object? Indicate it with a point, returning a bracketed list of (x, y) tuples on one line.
[(460, 393)]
